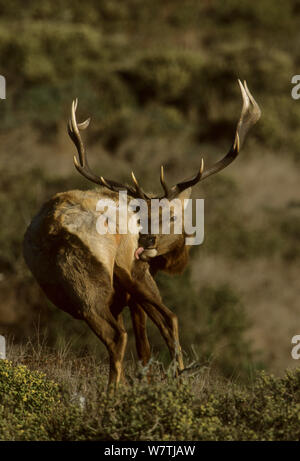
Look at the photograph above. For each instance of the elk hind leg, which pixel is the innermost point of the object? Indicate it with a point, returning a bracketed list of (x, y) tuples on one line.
[(116, 308), (139, 317), (114, 336)]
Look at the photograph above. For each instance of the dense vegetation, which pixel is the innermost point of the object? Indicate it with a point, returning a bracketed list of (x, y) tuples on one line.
[(70, 406), (159, 80)]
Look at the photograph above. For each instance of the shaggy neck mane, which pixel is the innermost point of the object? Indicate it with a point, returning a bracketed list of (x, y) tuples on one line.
[(173, 262)]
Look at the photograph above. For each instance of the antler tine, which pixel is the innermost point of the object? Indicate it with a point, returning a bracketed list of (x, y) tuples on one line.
[(163, 182), (84, 125), (250, 114), (138, 188), (73, 130), (245, 113), (256, 112), (202, 166)]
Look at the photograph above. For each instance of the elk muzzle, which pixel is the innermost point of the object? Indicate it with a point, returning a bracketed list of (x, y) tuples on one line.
[(146, 248)]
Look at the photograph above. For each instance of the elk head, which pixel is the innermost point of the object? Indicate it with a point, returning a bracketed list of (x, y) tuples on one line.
[(152, 244)]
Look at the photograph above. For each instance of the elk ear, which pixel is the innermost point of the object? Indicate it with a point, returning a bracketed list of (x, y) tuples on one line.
[(185, 195)]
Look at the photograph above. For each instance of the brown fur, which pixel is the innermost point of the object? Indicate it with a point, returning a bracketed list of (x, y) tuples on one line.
[(173, 262)]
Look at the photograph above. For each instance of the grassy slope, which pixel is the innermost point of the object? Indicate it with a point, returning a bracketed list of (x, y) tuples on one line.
[(58, 396)]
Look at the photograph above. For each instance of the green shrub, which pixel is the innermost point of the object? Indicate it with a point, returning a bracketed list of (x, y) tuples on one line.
[(268, 411), (166, 76), (162, 412), (26, 400), (201, 408)]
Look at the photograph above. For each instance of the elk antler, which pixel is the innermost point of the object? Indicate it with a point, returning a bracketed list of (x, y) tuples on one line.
[(82, 165), (249, 116)]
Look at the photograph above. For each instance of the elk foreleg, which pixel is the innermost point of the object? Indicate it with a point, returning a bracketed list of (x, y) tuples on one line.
[(167, 323), (144, 292), (113, 335)]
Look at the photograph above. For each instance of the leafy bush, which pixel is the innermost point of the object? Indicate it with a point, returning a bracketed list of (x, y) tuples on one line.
[(268, 411), (172, 411), (202, 408), (26, 400)]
